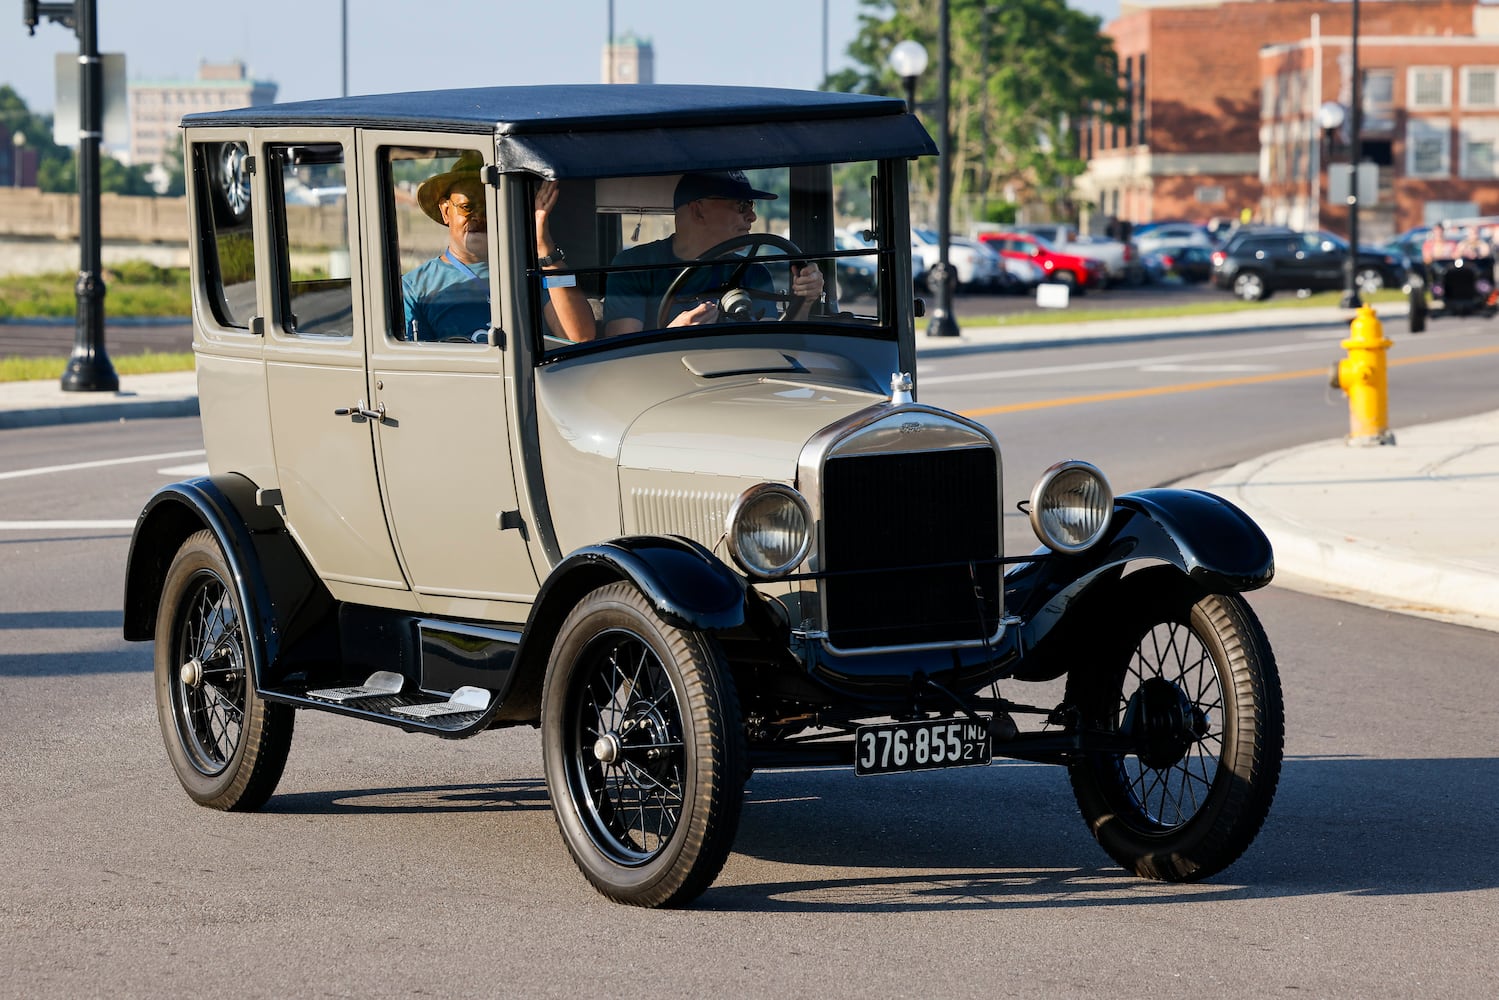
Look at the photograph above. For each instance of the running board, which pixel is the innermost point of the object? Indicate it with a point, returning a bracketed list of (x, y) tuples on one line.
[(381, 699)]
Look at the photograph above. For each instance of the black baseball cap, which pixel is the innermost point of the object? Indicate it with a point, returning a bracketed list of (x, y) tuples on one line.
[(730, 184)]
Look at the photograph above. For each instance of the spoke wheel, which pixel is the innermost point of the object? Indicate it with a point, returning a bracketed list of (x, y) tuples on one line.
[(227, 746), (1193, 684), (643, 750)]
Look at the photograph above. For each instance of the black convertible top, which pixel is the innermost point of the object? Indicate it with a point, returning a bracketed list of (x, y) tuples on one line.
[(590, 130)]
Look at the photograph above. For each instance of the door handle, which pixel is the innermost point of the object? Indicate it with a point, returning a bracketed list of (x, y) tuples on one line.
[(360, 410)]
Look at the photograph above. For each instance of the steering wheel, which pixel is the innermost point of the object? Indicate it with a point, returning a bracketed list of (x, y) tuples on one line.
[(724, 249)]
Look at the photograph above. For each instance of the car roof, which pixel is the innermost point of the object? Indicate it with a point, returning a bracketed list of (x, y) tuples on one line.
[(593, 130)]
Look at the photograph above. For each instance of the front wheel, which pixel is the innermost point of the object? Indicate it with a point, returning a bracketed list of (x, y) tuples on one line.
[(1191, 682), (643, 750), (227, 745)]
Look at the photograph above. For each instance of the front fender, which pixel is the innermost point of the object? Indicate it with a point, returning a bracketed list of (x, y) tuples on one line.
[(686, 584), (1059, 599)]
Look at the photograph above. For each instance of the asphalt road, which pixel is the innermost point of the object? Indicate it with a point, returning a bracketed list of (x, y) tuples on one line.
[(395, 865)]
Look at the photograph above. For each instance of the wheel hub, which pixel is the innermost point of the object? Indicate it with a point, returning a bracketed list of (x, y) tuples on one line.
[(1163, 723), (191, 673), (606, 749)]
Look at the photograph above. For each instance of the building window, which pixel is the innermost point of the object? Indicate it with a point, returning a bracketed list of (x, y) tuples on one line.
[(1378, 98), (1476, 148), (1209, 194), (1479, 87), (1430, 86), (1427, 149)]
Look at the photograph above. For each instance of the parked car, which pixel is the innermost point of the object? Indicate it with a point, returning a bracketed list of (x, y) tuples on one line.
[(681, 553), (1255, 265), (1025, 274), (1175, 234), (974, 268), (857, 276), (1118, 257), (1081, 273), (1191, 262)]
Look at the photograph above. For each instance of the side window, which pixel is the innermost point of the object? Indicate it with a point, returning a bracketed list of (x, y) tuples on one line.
[(312, 229), (437, 243), (221, 189)]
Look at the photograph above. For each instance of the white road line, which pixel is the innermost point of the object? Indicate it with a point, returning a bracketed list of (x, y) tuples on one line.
[(101, 463), (65, 525)]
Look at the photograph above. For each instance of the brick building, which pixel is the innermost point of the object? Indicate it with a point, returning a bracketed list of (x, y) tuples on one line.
[(1222, 102)]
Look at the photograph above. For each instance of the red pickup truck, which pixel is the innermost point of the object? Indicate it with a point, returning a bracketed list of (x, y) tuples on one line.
[(1081, 273)]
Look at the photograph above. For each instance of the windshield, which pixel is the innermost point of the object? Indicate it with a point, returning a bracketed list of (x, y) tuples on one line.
[(763, 251)]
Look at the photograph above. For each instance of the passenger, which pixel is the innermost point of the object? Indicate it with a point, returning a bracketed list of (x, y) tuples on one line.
[(447, 297), (1437, 246), (1473, 244), (710, 208)]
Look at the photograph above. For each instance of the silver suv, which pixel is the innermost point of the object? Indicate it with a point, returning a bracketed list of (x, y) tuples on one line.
[(545, 407)]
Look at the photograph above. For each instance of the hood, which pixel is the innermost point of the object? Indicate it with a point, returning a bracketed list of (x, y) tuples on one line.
[(753, 430)]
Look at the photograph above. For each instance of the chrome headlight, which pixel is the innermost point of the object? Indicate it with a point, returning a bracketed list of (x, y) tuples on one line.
[(1071, 506), (769, 530)]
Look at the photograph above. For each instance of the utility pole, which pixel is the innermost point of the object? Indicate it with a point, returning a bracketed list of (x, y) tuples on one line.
[(89, 369)]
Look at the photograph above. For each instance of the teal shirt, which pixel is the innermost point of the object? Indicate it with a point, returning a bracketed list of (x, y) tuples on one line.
[(444, 298)]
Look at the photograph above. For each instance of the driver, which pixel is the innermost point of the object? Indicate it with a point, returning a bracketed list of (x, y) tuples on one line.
[(710, 208)]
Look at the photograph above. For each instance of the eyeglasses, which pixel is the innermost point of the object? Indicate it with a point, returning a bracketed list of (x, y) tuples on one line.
[(466, 209), (741, 206)]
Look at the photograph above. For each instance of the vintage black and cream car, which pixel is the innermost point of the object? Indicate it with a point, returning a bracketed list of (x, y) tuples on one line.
[(544, 407)]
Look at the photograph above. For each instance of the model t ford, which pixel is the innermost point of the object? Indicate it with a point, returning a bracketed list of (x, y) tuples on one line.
[(544, 407)]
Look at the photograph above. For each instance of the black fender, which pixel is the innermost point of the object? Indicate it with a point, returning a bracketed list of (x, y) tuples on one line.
[(270, 576), (686, 584), (1061, 600)]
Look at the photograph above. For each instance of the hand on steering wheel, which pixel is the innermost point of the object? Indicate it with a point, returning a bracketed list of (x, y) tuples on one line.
[(723, 294)]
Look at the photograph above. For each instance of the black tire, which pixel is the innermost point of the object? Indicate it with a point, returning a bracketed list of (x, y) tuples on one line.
[(643, 749), (1418, 309), (227, 745), (1193, 678), (230, 183), (1250, 286)]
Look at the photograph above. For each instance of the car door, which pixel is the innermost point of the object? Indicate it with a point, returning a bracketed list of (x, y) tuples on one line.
[(442, 439), (315, 365)]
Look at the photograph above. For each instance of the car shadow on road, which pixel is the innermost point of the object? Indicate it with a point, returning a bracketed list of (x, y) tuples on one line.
[(504, 796), (1339, 826)]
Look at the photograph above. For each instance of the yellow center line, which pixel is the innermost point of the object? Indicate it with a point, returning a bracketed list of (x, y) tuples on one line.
[(1222, 383)]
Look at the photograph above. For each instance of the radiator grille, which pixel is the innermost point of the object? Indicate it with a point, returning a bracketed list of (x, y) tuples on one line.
[(893, 516)]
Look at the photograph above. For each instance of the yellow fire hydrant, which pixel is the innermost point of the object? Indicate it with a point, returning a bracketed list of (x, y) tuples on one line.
[(1363, 375)]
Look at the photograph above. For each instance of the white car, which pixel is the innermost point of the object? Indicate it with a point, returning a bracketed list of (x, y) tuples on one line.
[(975, 267)]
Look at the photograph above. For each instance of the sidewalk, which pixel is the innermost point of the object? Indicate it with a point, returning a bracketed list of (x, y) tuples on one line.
[(1412, 527)]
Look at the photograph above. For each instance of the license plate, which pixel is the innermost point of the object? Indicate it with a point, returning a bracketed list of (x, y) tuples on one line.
[(920, 746)]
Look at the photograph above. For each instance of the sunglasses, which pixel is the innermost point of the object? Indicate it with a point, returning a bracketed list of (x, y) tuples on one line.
[(741, 205), (468, 210)]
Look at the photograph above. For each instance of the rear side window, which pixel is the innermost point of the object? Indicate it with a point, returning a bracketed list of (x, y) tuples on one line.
[(221, 188), (311, 220)]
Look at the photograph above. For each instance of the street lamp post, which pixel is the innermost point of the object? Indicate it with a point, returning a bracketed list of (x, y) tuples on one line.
[(1350, 273), (908, 59), (89, 369), (1330, 118)]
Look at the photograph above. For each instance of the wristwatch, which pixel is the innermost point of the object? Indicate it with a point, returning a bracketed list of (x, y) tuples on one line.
[(555, 257)]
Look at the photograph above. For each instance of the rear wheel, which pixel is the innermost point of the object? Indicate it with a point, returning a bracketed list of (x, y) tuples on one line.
[(643, 750), (226, 744), (1192, 682), (1416, 294)]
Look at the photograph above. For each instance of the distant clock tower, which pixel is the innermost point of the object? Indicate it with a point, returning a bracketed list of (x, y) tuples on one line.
[(629, 59)]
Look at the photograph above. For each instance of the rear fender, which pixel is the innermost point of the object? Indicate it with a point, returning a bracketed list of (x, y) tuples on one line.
[(270, 577)]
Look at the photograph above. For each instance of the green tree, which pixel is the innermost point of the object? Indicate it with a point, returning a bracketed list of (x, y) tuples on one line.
[(1024, 75)]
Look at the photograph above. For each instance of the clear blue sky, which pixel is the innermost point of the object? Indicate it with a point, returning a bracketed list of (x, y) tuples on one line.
[(399, 46)]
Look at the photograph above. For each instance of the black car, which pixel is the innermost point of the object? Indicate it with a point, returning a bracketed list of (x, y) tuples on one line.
[(1255, 265), (1190, 262)]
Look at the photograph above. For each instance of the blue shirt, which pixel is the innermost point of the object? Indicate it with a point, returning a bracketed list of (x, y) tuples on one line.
[(446, 298), (637, 294)]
